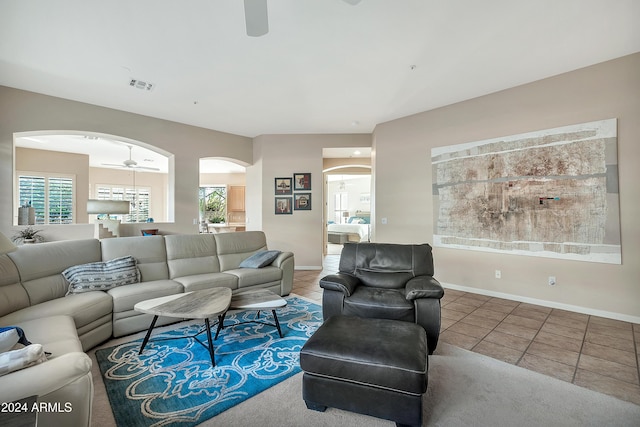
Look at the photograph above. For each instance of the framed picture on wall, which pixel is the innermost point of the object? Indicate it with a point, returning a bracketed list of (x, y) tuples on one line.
[(283, 185), (283, 205), (302, 201), (301, 181)]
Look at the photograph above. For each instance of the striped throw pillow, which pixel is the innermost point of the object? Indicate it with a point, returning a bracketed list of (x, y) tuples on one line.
[(102, 276)]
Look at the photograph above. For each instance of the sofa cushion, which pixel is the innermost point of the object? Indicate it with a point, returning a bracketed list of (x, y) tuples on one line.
[(256, 276), (12, 295), (386, 265), (233, 248), (196, 282), (189, 254), (379, 303), (260, 259), (84, 309), (57, 334), (102, 276), (150, 253), (125, 297), (41, 265)]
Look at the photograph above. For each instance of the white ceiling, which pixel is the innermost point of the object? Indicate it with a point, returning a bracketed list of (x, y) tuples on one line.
[(324, 67)]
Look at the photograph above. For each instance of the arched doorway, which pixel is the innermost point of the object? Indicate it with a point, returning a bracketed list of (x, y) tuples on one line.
[(56, 172), (222, 195)]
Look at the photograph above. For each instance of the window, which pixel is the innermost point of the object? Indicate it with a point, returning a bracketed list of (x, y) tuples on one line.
[(52, 197), (341, 203), (140, 199), (213, 204)]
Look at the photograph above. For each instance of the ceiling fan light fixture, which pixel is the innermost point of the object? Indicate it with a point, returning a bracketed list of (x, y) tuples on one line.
[(130, 163)]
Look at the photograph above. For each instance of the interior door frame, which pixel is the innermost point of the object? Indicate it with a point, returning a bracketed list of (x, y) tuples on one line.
[(341, 170)]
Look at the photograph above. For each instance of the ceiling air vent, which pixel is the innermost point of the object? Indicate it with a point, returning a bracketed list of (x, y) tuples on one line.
[(139, 84)]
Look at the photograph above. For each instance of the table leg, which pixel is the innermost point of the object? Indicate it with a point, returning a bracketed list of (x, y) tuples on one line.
[(206, 322), (275, 317), (146, 338), (220, 324)]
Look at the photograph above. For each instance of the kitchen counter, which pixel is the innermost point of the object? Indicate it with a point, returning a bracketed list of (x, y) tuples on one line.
[(226, 228)]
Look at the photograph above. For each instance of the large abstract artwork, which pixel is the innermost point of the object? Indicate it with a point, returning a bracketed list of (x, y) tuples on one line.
[(551, 193)]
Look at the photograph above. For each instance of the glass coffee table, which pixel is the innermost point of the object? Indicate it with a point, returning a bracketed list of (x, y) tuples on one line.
[(201, 304), (258, 299)]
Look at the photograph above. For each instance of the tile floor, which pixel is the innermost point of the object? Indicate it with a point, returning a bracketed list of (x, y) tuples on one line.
[(593, 352)]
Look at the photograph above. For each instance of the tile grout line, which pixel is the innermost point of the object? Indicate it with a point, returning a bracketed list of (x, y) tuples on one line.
[(534, 337), (584, 339), (635, 347), (494, 328)]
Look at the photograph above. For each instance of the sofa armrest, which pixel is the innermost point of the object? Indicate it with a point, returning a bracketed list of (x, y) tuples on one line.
[(45, 378), (423, 287), (340, 282), (282, 257)]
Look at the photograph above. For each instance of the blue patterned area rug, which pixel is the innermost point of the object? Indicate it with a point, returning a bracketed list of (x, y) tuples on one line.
[(172, 383)]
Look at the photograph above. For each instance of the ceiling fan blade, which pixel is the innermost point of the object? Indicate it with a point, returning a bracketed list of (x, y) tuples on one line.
[(352, 2), (115, 165), (144, 168), (255, 16)]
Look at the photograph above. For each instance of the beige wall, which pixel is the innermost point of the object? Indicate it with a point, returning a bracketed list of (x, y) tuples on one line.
[(402, 168), (28, 160), (342, 164), (222, 179), (282, 156), (22, 111)]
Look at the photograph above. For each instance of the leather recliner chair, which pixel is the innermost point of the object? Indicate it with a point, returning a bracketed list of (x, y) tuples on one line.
[(386, 281)]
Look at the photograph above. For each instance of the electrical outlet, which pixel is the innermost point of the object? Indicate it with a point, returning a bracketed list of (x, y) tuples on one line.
[(552, 280), (498, 274)]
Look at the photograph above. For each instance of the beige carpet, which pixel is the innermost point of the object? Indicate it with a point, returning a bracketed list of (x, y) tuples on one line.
[(465, 389)]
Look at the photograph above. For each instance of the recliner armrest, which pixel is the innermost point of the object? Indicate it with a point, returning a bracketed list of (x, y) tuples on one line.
[(423, 287), (340, 282)]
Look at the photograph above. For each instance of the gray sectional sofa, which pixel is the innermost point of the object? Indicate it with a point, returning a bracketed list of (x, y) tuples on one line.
[(33, 296)]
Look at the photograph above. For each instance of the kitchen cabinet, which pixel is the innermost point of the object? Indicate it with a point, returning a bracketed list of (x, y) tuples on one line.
[(235, 198)]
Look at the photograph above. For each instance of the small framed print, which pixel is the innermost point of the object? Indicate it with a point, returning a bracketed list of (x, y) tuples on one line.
[(283, 185), (301, 181), (302, 201), (283, 205)]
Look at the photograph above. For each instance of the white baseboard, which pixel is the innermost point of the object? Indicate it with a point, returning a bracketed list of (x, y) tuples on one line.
[(308, 267), (544, 303)]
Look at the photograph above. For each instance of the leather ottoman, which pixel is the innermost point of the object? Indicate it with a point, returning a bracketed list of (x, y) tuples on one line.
[(376, 367)]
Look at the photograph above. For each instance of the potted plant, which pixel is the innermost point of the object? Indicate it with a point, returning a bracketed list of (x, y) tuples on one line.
[(27, 235)]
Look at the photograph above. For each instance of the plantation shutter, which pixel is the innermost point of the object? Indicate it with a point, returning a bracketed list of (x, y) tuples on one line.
[(32, 192), (51, 197), (60, 201), (140, 199)]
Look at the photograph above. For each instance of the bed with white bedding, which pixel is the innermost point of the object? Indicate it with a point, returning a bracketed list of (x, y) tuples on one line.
[(356, 229)]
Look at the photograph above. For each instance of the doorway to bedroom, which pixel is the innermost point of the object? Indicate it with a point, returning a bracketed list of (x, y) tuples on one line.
[(347, 196), (348, 209)]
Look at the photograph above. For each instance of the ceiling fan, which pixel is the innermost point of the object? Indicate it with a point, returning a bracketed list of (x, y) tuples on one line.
[(130, 164), (256, 17)]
